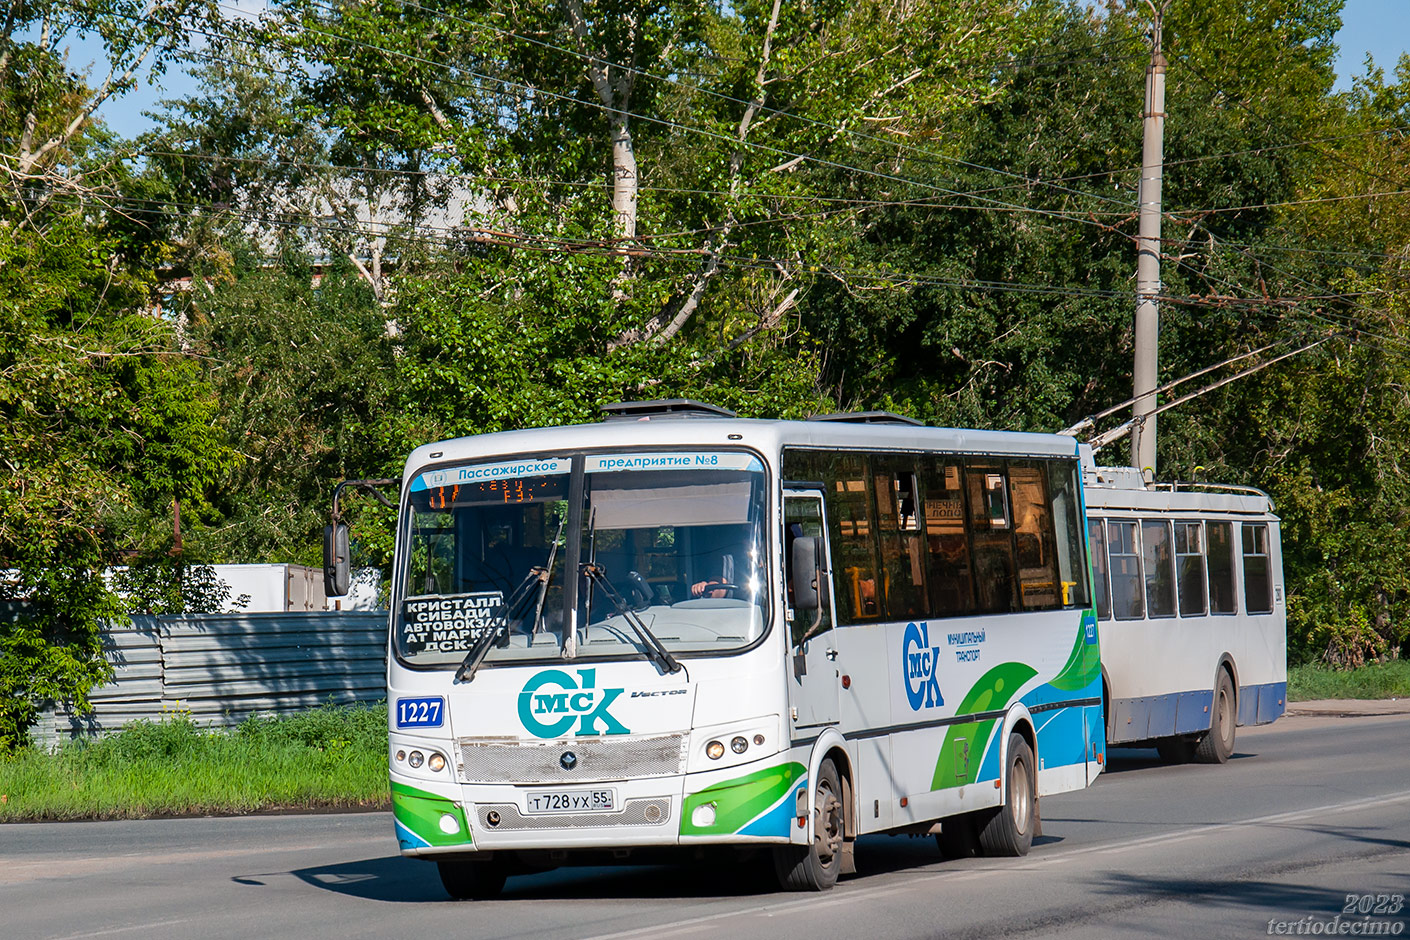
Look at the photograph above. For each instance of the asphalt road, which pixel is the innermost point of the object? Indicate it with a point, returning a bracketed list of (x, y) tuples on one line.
[(1309, 811)]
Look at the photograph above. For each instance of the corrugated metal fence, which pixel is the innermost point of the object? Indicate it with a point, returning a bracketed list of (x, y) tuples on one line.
[(221, 668)]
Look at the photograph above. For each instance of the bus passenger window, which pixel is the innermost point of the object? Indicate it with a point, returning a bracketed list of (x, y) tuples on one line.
[(1189, 557), (1063, 488), (995, 580), (1128, 601), (898, 532), (1160, 571), (1038, 587), (1220, 545), (853, 539), (1096, 537), (1258, 590), (947, 547)]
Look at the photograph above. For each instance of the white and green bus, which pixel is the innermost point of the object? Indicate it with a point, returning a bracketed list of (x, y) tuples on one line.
[(676, 629)]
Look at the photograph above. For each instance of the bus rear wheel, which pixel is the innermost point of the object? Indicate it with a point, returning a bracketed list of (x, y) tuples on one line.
[(473, 881), (816, 867), (1217, 745), (1009, 832)]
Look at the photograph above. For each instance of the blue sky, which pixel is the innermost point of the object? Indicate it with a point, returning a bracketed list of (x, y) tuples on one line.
[(1380, 27)]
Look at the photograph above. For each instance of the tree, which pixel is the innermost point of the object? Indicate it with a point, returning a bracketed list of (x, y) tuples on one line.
[(102, 421)]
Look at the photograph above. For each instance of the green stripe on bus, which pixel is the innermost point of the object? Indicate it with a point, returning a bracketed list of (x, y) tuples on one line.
[(1084, 663), (740, 801), (963, 750), (421, 812)]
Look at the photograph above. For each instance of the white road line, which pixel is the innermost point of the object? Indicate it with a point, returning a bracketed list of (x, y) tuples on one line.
[(842, 895), (130, 927)]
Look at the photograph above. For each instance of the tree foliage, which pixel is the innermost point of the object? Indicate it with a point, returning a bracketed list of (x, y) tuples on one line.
[(379, 224)]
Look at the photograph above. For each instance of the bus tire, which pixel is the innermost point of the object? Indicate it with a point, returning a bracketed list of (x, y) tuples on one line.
[(1009, 832), (1217, 744), (816, 867), (472, 881)]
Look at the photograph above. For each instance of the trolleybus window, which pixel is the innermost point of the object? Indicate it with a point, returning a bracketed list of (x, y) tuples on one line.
[(1220, 538), (1160, 569), (1258, 590), (1096, 536), (1127, 599), (1189, 557)]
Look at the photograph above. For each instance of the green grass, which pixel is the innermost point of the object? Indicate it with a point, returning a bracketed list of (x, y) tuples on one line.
[(326, 757), (1379, 680)]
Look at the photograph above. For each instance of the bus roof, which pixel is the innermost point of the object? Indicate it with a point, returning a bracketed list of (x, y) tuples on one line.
[(764, 436)]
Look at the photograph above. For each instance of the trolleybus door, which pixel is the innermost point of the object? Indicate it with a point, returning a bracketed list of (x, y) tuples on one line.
[(812, 639)]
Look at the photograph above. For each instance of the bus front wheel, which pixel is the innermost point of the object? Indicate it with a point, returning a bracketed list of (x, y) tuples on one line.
[(472, 881), (1009, 832), (816, 867), (1218, 744)]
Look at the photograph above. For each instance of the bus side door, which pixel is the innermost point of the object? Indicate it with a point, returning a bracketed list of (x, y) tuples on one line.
[(813, 686)]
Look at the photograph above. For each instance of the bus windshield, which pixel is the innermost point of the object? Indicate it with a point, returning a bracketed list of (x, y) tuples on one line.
[(673, 540)]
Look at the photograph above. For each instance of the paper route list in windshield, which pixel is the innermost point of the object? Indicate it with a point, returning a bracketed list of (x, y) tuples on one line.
[(448, 624)]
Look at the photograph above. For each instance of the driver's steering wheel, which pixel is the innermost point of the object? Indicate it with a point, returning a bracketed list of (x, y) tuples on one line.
[(708, 588)]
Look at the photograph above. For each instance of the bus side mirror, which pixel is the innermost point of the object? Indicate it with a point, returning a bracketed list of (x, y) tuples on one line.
[(805, 571), (336, 569)]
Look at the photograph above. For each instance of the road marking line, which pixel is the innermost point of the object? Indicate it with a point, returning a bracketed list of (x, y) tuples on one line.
[(114, 930), (1293, 816), (842, 894)]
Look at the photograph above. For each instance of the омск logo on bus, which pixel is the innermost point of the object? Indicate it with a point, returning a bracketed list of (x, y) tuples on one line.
[(552, 701), (920, 665)]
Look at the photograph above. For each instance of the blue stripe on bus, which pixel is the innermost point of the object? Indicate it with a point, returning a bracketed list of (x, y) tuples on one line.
[(409, 839), (776, 821), (1061, 740)]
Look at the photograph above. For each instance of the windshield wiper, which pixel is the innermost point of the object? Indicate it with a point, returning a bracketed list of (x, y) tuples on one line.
[(502, 620), (543, 582), (653, 647)]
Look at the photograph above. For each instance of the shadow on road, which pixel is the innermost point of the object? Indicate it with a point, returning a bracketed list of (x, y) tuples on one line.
[(1256, 900), (1120, 760), (395, 879)]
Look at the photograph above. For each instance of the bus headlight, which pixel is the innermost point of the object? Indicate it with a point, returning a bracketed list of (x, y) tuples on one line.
[(739, 744), (436, 763), (703, 816), (416, 759), (714, 750)]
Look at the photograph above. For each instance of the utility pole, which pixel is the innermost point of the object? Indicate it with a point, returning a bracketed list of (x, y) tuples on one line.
[(1145, 373)]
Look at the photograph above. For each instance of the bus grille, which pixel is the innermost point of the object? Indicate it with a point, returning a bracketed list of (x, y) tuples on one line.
[(501, 760), (650, 812)]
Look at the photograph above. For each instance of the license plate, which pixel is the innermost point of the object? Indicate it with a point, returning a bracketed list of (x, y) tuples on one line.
[(571, 801)]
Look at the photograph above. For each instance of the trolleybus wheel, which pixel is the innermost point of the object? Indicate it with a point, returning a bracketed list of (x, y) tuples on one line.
[(816, 867), (1010, 831), (472, 881), (1216, 745)]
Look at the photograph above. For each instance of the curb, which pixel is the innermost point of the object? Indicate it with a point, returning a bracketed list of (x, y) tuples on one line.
[(1349, 708)]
